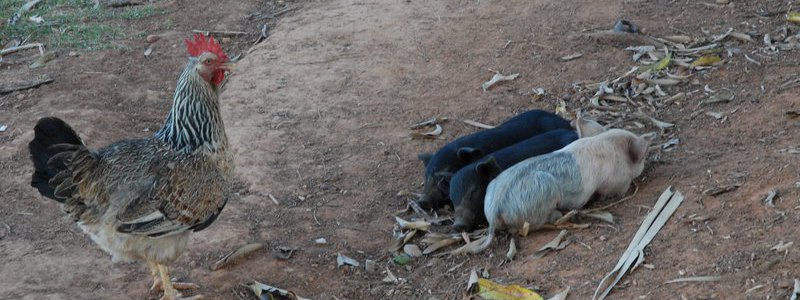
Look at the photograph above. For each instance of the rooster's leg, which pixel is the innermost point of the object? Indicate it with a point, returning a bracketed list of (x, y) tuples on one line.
[(171, 289), (156, 278), (159, 287)]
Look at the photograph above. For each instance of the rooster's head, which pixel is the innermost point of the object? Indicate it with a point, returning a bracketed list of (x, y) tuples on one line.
[(211, 61)]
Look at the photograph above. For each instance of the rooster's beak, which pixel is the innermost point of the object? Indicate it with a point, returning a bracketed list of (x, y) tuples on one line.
[(227, 66)]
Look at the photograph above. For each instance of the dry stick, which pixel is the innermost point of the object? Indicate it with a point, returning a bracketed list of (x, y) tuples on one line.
[(24, 86), (23, 47), (626, 198), (219, 32), (275, 14)]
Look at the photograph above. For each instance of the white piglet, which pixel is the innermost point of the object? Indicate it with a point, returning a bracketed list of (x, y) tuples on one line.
[(602, 162)]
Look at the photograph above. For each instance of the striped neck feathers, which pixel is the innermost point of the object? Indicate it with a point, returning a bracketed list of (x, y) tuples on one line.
[(194, 122)]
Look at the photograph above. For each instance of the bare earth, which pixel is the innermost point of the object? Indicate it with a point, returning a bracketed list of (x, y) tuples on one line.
[(318, 117)]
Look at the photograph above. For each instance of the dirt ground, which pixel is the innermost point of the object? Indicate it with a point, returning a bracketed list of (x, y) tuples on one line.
[(319, 113)]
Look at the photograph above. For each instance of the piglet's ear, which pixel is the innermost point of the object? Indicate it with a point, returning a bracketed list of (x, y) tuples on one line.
[(468, 155), (587, 128), (488, 168), (425, 157), (638, 145)]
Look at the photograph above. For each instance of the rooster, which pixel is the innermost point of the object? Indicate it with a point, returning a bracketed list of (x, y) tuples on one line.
[(139, 199)]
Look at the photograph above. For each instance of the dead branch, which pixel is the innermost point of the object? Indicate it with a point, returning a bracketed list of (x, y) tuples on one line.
[(24, 86), (219, 32), (8, 51)]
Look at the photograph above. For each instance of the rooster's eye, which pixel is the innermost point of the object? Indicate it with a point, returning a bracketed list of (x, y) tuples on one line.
[(207, 61)]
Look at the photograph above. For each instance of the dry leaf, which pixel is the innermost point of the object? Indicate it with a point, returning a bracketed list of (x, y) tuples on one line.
[(429, 122), (390, 278), (477, 124), (793, 17), (490, 290), (705, 60), (412, 250), (234, 255), (342, 260), (428, 135), (781, 246), (695, 279), (439, 245), (415, 225), (512, 250), (600, 215), (472, 282), (561, 296), (498, 78), (571, 56), (663, 63), (526, 228), (264, 291), (552, 245)]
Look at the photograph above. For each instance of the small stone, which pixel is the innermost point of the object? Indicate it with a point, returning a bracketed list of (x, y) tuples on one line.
[(370, 266), (152, 38), (723, 1), (73, 54), (321, 241), (225, 40), (20, 96)]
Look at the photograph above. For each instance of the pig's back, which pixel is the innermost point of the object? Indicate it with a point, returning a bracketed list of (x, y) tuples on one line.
[(535, 146), (562, 166)]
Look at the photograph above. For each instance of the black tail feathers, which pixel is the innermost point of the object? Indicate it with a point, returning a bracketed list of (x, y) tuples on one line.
[(48, 133)]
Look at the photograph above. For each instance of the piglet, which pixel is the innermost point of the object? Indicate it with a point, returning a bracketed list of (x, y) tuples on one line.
[(439, 167), (468, 185), (535, 189)]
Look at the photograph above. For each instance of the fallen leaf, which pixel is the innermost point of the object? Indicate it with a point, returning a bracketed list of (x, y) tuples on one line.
[(771, 198), (415, 225), (267, 292), (793, 17), (498, 78), (284, 252), (43, 60), (663, 63), (236, 254), (430, 134), (561, 296), (390, 278), (439, 245), (490, 290), (402, 259), (412, 250), (342, 260), (512, 250), (429, 122), (472, 282), (695, 279), (477, 124), (571, 56), (526, 228), (600, 215), (552, 245), (705, 60), (781, 246)]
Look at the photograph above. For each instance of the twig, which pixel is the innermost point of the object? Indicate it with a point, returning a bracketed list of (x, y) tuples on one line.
[(7, 51), (271, 197), (263, 36), (275, 14), (626, 198), (219, 32), (24, 86), (23, 9)]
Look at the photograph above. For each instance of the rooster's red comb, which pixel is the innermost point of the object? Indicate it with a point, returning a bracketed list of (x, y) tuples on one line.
[(200, 45)]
